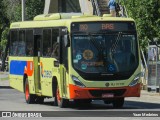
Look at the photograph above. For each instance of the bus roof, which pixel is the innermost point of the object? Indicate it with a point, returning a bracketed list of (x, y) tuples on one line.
[(63, 19)]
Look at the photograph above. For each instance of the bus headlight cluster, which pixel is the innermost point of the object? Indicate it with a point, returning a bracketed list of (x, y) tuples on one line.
[(135, 80), (77, 81)]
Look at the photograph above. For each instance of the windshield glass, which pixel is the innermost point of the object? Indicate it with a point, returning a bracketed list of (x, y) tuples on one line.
[(104, 53)]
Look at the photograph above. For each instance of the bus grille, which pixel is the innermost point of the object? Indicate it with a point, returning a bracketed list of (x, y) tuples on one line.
[(98, 93)]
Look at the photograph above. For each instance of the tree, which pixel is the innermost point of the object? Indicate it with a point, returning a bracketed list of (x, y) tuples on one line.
[(4, 21), (33, 8), (13, 9), (10, 11), (146, 14)]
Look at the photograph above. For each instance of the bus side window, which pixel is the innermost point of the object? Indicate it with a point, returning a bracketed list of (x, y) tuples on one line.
[(55, 51), (29, 42), (22, 44), (14, 43), (55, 43), (47, 48)]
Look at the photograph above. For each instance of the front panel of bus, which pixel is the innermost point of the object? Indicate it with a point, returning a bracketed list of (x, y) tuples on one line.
[(104, 60)]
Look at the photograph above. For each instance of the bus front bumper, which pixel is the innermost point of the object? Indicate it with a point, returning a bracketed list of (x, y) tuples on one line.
[(77, 92)]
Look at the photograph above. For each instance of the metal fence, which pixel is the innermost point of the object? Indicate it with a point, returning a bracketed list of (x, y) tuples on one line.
[(153, 68)]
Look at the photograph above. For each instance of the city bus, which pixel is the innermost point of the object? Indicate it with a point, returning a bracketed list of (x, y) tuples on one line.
[(75, 57)]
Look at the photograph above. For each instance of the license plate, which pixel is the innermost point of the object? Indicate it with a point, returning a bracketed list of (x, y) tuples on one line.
[(107, 95)]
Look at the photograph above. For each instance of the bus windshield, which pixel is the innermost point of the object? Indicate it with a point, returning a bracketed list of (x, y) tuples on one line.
[(106, 54)]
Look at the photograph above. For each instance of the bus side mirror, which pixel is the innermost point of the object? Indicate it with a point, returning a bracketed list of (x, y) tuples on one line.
[(66, 41)]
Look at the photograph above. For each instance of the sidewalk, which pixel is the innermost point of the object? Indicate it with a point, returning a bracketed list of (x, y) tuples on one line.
[(4, 80), (151, 93)]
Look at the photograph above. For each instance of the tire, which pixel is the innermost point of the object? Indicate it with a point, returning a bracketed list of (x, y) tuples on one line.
[(54, 89), (61, 102), (118, 103), (30, 98)]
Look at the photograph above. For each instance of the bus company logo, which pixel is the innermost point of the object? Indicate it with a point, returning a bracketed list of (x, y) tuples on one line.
[(45, 73), (107, 84), (87, 54)]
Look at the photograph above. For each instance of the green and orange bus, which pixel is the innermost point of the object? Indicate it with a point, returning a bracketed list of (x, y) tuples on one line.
[(72, 56)]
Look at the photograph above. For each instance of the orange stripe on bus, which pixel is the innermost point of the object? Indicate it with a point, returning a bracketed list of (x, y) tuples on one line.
[(29, 68)]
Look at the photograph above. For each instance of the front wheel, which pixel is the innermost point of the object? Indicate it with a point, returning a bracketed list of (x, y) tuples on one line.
[(28, 97), (61, 102)]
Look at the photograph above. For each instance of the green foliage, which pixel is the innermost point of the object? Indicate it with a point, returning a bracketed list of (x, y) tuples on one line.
[(13, 10), (4, 39), (4, 22), (10, 11), (146, 14), (33, 8)]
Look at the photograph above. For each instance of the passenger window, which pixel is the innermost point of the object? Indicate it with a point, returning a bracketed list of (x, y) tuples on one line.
[(14, 43), (55, 43), (29, 42), (47, 48), (22, 44)]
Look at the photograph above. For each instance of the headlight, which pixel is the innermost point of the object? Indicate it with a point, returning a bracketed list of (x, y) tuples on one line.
[(135, 80), (77, 81)]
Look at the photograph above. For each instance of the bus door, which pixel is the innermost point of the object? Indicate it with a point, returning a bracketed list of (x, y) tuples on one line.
[(63, 63), (37, 55)]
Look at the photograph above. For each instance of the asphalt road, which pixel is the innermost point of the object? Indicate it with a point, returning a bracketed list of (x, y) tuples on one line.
[(13, 100)]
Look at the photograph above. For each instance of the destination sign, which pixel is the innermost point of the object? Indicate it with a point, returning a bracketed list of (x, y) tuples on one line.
[(102, 26)]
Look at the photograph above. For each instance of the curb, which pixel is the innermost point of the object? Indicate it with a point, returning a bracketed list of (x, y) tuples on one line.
[(5, 87)]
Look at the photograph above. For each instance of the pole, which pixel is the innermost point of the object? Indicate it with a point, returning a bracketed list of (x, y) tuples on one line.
[(23, 10)]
